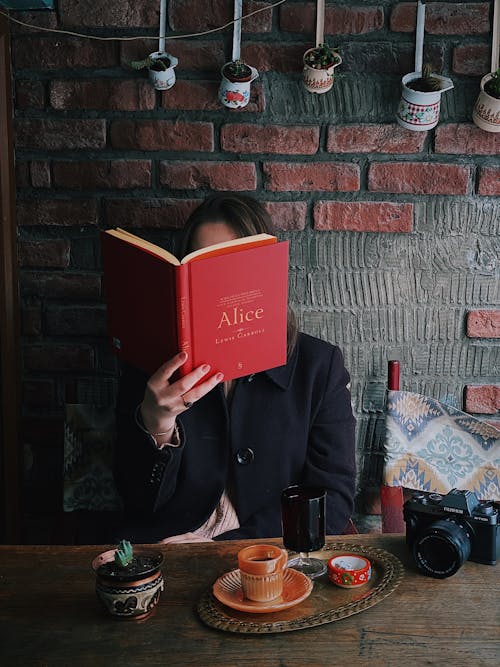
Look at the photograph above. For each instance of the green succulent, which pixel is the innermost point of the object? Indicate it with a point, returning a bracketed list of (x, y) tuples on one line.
[(322, 57), (124, 554), (149, 63), (492, 86), (427, 83), (237, 69)]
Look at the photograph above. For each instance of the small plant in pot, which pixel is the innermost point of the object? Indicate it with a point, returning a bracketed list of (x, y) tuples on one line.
[(161, 69), (128, 584), (486, 113), (420, 102), (319, 64), (234, 89)]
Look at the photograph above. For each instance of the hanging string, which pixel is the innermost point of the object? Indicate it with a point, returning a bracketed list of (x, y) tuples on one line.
[(130, 39)]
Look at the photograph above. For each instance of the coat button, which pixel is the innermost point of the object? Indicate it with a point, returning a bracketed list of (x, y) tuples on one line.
[(244, 456)]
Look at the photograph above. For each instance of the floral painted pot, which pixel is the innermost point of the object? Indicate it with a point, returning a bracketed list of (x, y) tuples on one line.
[(163, 79), (129, 595), (486, 113), (349, 570), (235, 94), (318, 80), (417, 110)]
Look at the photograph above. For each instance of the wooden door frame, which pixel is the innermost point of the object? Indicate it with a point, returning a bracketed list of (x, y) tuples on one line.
[(10, 363)]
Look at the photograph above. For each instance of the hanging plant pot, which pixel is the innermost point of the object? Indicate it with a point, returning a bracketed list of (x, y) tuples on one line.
[(486, 113), (161, 70), (318, 71), (234, 89), (419, 107)]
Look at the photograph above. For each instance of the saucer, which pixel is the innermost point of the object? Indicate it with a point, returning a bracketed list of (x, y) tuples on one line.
[(296, 588)]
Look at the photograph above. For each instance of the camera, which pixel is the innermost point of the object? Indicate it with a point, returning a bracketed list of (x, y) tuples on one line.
[(446, 530)]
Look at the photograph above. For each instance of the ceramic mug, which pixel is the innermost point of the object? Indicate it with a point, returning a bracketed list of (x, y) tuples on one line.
[(261, 570), (486, 113), (417, 110), (163, 79), (236, 94)]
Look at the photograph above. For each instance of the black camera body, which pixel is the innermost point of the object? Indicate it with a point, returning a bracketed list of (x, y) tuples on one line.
[(446, 530)]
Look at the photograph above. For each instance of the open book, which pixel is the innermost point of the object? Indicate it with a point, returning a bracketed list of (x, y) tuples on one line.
[(225, 305)]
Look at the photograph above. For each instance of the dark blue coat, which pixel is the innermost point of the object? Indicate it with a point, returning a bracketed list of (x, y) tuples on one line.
[(292, 424)]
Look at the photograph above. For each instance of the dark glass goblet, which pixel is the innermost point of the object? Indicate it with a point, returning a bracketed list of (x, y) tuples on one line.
[(303, 521)]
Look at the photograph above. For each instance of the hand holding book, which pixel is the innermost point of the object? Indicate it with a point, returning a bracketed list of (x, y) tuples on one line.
[(164, 398)]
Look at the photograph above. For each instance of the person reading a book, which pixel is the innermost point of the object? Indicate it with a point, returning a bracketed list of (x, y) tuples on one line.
[(199, 458)]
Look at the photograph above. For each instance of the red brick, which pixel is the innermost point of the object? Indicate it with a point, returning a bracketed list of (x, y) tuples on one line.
[(301, 18), (115, 14), (40, 174), (39, 393), (114, 94), (466, 139), (287, 216), (443, 18), (118, 174), (363, 216), (274, 57), (45, 19), (30, 94), (61, 285), (483, 324), (50, 357), (152, 213), (473, 59), (52, 212), (60, 53), (482, 399), (54, 253), (419, 178), (200, 15), (310, 176), (76, 321), (372, 138), (193, 54), (156, 135), (286, 140), (202, 96), (214, 175), (60, 134), (489, 181)]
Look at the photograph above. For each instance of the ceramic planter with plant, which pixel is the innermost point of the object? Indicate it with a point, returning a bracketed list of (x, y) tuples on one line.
[(161, 69), (486, 113), (128, 585), (421, 99), (318, 70), (234, 89)]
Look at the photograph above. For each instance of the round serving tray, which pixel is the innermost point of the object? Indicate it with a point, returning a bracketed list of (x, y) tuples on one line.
[(327, 602)]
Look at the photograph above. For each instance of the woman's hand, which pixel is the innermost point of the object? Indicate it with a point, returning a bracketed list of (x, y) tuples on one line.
[(164, 400)]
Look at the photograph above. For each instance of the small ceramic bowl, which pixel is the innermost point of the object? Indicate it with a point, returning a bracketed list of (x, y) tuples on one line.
[(349, 570)]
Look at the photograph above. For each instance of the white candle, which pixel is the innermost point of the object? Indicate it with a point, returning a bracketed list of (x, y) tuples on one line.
[(163, 23), (419, 37), (238, 4)]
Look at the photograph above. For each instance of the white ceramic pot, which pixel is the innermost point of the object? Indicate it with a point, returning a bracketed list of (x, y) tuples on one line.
[(486, 113), (236, 94), (318, 80), (163, 79), (417, 110)]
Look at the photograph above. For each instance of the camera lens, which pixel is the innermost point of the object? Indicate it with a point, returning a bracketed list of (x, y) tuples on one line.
[(442, 548)]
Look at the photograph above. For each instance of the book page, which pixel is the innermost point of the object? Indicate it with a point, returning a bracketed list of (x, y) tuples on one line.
[(145, 245), (225, 247)]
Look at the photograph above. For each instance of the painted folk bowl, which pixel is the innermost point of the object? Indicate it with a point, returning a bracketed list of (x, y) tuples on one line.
[(349, 570), (132, 592)]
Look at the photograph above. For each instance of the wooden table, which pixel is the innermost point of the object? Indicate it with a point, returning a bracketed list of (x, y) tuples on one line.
[(49, 616)]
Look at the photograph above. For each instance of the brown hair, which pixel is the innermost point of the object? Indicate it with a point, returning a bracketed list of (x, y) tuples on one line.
[(245, 216)]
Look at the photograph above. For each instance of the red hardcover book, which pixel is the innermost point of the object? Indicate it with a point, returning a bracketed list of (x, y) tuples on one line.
[(225, 305)]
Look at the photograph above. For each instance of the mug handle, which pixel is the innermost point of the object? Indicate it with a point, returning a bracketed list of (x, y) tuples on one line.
[(283, 559)]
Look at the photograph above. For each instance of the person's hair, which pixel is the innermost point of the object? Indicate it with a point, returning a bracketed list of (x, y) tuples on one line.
[(245, 216)]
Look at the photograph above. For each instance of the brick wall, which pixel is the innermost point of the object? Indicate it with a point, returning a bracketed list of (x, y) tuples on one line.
[(394, 234)]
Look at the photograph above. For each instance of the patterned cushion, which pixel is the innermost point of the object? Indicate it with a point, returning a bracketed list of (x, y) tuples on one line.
[(88, 454), (431, 446)]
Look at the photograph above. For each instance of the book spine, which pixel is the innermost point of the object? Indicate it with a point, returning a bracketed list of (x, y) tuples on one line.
[(184, 317)]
